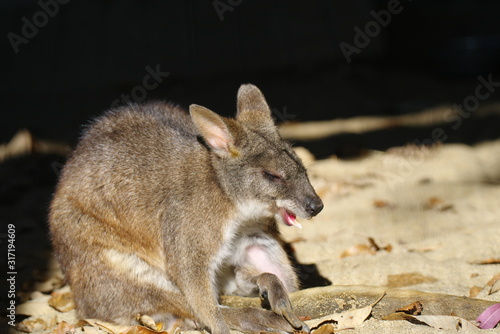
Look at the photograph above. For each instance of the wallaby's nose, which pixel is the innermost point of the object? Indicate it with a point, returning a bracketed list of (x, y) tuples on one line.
[(314, 206)]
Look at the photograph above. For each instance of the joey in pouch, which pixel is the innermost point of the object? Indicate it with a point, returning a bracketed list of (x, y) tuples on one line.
[(159, 211)]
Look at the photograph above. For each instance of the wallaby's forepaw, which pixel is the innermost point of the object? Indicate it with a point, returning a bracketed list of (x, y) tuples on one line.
[(273, 292), (257, 320)]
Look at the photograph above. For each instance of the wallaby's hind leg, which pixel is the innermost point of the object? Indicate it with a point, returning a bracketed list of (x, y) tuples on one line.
[(104, 298), (255, 320), (272, 290), (112, 285)]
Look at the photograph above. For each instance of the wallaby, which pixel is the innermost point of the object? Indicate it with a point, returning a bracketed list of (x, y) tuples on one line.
[(159, 212)]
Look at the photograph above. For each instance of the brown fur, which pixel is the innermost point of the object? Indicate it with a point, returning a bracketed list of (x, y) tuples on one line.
[(158, 213)]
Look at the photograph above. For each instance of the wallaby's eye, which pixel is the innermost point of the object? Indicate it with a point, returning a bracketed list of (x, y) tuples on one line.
[(271, 176)]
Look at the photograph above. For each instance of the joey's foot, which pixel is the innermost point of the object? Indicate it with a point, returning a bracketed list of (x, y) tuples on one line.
[(273, 292), (257, 320)]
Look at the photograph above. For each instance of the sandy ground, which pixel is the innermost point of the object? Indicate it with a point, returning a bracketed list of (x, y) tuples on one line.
[(438, 208)]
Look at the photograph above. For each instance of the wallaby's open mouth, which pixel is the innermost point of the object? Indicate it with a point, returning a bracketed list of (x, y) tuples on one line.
[(289, 218)]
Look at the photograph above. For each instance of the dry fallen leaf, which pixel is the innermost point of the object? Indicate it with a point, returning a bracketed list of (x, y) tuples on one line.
[(326, 328), (147, 321), (348, 319), (36, 307), (380, 203), (107, 327), (31, 325), (375, 246), (406, 279), (490, 317), (142, 330), (488, 261), (436, 321), (474, 291), (64, 328), (87, 329), (432, 202), (490, 288), (437, 204), (426, 249), (360, 249), (493, 284), (102, 326), (495, 287), (352, 318), (413, 309), (445, 322), (62, 300)]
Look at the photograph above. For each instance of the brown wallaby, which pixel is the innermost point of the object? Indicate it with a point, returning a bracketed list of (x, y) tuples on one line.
[(159, 212)]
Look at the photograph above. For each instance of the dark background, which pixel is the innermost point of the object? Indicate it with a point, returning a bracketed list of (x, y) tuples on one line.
[(89, 53)]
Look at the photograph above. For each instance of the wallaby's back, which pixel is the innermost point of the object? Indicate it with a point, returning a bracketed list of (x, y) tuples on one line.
[(126, 162)]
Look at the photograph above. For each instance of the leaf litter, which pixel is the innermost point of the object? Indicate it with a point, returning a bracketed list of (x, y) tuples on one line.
[(371, 249), (414, 308), (62, 300), (490, 317), (98, 326), (436, 203), (325, 325), (436, 321), (345, 320), (491, 287), (487, 261)]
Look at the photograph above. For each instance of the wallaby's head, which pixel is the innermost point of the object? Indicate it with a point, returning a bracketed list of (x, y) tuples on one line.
[(253, 162)]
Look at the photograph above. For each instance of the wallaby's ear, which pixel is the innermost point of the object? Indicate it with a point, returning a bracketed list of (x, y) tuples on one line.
[(213, 129), (253, 109)]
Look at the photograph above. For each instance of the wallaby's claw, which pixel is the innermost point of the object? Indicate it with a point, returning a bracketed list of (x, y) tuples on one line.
[(287, 313), (294, 320), (272, 289)]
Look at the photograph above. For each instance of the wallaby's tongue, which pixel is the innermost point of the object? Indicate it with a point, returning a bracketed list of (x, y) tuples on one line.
[(290, 218)]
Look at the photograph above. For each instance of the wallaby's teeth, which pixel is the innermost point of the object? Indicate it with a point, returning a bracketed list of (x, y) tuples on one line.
[(296, 223), (290, 218)]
